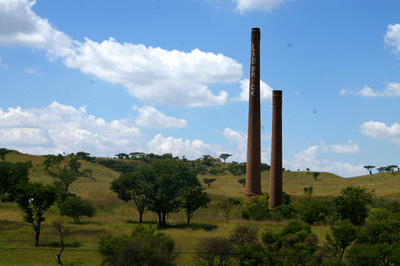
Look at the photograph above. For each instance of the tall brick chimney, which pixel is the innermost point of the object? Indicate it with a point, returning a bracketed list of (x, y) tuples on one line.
[(253, 170), (275, 188)]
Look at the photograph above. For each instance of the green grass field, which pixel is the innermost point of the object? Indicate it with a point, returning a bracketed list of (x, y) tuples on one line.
[(117, 217)]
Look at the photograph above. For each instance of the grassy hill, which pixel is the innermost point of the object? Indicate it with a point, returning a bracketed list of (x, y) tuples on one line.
[(116, 217)]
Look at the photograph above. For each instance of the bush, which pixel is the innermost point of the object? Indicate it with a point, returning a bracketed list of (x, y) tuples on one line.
[(214, 251), (243, 234), (143, 247), (252, 255), (311, 210), (257, 208), (76, 207)]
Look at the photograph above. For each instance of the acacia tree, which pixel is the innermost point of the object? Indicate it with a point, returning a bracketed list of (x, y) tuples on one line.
[(224, 156), (76, 207), (63, 180), (129, 186), (11, 175), (166, 183), (369, 168), (208, 181), (34, 199), (192, 200)]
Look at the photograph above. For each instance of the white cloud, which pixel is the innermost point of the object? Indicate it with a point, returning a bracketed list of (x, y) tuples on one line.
[(3, 65), (30, 70), (152, 75), (346, 148), (392, 38), (392, 90), (61, 128), (240, 138), (379, 131), (22, 27), (150, 117), (308, 158), (266, 5), (265, 91), (179, 147), (155, 75)]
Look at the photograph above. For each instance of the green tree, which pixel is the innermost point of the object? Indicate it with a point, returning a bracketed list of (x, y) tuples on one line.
[(214, 250), (167, 181), (308, 170), (76, 208), (227, 205), (391, 168), (352, 204), (63, 180), (343, 235), (192, 200), (74, 165), (242, 181), (34, 199), (257, 208), (122, 156), (208, 181), (308, 190), (315, 175), (369, 168), (130, 186), (12, 175), (3, 152), (224, 156)]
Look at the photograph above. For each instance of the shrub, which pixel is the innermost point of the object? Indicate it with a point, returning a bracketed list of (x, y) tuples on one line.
[(76, 207), (243, 234), (257, 208), (143, 247), (214, 251), (311, 210)]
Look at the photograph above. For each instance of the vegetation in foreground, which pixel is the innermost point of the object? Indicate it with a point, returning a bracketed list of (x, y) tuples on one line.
[(210, 227)]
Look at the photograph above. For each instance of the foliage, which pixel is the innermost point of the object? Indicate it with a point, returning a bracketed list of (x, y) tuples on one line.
[(242, 181), (369, 168), (52, 159), (372, 255), (122, 167), (192, 200), (252, 255), (315, 175), (352, 204), (3, 152), (224, 156), (34, 199), (208, 181), (257, 208), (244, 234), (143, 247), (294, 245), (343, 235), (311, 209), (12, 175), (227, 205), (76, 208), (308, 190), (130, 186), (236, 168), (63, 179), (215, 250), (265, 167), (166, 181)]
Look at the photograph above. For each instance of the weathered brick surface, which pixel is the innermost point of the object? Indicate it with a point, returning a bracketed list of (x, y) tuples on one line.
[(253, 170), (275, 189)]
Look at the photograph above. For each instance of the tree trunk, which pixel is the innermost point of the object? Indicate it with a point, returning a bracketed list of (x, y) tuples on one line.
[(164, 223), (37, 235), (141, 216), (159, 218)]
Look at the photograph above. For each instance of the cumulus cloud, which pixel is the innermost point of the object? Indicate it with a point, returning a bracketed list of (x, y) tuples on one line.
[(150, 117), (266, 5), (392, 38), (61, 128), (379, 131), (152, 75), (178, 147), (265, 91), (22, 27), (392, 90), (308, 158), (346, 148)]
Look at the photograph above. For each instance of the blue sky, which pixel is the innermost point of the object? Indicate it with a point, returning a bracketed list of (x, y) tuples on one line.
[(106, 77)]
